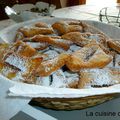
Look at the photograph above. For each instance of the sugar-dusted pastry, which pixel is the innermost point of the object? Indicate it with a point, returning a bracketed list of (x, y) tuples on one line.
[(16, 74), (37, 46), (71, 79), (58, 79), (41, 24), (86, 27), (90, 56), (19, 59), (51, 54), (99, 77), (74, 22), (117, 60), (21, 48), (58, 50), (31, 31), (78, 38), (63, 27), (54, 36), (10, 72), (50, 41), (3, 49), (60, 26), (48, 67), (32, 65), (43, 81), (114, 44), (85, 38), (74, 47)]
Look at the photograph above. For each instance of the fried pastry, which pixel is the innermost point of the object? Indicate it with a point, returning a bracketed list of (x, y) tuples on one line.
[(74, 47), (37, 46), (24, 49), (19, 47), (41, 24), (99, 77), (50, 41), (62, 27), (116, 60), (51, 54), (16, 74), (20, 55), (3, 48), (90, 56), (71, 79), (87, 27), (31, 31), (83, 39), (48, 67), (78, 38), (20, 59), (114, 44), (58, 79), (31, 72)]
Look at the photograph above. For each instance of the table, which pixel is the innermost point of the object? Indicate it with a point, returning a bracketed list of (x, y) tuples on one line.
[(88, 12), (106, 111)]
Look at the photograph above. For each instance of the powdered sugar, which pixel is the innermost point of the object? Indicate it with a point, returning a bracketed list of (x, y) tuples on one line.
[(74, 47), (36, 45), (44, 81), (101, 77), (17, 62), (51, 54), (58, 79)]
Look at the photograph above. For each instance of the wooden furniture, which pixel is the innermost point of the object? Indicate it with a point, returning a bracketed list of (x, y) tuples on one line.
[(82, 2), (118, 1)]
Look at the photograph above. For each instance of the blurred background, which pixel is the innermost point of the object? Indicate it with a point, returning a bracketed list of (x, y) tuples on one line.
[(58, 3)]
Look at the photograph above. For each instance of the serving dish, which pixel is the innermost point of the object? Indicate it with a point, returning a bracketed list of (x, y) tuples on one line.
[(67, 102)]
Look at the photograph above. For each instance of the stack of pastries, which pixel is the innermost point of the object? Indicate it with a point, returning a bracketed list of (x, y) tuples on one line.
[(69, 54)]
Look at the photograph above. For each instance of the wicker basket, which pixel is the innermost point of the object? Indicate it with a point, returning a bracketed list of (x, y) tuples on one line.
[(72, 104), (8, 34)]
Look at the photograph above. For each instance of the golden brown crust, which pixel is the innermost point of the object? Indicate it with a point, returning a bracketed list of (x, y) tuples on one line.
[(50, 41), (78, 38), (49, 66), (41, 24), (20, 58), (73, 84), (83, 39), (30, 74), (85, 78), (90, 56), (24, 50), (63, 27), (99, 77), (114, 44), (60, 26), (30, 32)]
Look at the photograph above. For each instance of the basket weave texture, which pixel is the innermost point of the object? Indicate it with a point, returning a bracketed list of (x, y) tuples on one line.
[(71, 103)]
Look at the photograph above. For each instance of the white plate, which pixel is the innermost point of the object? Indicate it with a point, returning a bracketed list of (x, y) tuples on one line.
[(8, 35)]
